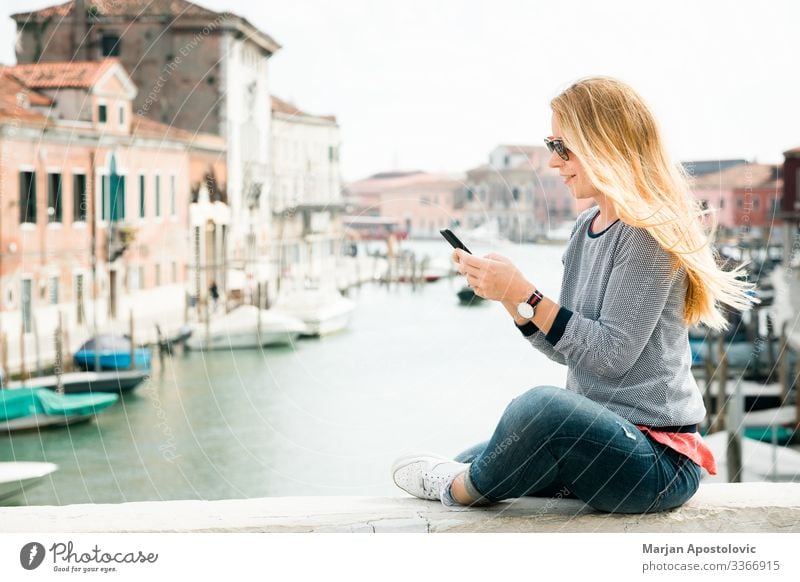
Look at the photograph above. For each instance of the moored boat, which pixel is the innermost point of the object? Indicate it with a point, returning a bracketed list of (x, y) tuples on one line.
[(240, 329), (113, 352), (34, 408), (78, 382), (322, 312), (18, 476)]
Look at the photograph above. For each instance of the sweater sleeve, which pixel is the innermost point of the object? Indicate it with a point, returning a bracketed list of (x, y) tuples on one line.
[(532, 333), (537, 339), (633, 302)]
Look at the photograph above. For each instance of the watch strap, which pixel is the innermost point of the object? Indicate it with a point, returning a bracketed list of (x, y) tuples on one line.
[(535, 298)]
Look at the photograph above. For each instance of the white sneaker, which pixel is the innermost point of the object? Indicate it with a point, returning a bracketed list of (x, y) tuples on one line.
[(424, 475)]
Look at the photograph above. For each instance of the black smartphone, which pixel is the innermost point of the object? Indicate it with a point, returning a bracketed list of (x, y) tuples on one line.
[(454, 240)]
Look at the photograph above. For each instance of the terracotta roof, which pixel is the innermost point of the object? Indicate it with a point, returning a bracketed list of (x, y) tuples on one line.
[(745, 175), (122, 8), (78, 74), (13, 94), (396, 181), (281, 106), (792, 153), (138, 8), (143, 127)]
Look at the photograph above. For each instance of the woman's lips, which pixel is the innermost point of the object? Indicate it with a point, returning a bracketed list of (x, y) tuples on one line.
[(568, 178)]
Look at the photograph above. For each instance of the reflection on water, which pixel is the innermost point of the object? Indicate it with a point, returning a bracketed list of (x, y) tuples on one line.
[(415, 371)]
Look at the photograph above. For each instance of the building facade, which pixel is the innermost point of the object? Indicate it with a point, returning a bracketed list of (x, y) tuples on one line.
[(419, 202), (746, 198), (95, 199), (196, 70), (305, 198), (517, 196)]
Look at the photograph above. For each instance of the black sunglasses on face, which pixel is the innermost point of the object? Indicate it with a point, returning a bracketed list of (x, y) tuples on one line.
[(557, 145)]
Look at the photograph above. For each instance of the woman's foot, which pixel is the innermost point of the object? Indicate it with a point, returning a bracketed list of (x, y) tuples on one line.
[(425, 475)]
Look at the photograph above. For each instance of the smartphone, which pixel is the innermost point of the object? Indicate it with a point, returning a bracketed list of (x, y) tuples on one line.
[(454, 240)]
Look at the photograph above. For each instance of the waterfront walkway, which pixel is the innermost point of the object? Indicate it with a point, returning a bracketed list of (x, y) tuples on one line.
[(747, 507)]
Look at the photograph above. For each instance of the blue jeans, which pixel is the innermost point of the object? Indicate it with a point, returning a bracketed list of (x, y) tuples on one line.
[(553, 442)]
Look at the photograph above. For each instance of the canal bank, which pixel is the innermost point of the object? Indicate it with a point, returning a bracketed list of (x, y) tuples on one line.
[(745, 508)]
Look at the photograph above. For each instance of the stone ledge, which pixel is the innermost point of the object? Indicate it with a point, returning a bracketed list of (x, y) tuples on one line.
[(747, 507)]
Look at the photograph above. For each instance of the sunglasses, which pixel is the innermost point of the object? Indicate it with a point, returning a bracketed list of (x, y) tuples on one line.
[(557, 145)]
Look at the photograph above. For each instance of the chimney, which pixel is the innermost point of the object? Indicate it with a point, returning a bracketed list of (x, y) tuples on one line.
[(80, 40)]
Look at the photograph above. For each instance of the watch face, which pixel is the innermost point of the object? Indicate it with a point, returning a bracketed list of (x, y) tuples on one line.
[(525, 310)]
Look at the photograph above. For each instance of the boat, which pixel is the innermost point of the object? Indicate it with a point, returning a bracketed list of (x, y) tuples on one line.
[(466, 296), (18, 476), (113, 351), (179, 337), (760, 461), (322, 311), (79, 382), (240, 329), (34, 408)]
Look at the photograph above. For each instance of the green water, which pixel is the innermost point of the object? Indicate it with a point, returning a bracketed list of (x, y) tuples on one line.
[(415, 371)]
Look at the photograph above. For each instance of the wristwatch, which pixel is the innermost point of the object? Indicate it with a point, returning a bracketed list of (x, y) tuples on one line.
[(527, 308)]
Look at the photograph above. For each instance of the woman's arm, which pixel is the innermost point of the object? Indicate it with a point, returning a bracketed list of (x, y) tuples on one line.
[(634, 299), (633, 302)]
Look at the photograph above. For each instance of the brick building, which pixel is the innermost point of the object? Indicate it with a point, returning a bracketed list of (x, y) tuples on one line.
[(747, 197), (72, 149), (196, 69), (420, 202)]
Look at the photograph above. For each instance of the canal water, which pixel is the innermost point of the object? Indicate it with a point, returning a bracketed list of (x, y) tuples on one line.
[(415, 371)]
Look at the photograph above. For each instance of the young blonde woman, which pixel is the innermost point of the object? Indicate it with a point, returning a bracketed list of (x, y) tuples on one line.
[(639, 270)]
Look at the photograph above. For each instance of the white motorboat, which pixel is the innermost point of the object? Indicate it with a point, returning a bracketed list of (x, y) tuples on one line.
[(322, 311), (240, 329), (16, 477)]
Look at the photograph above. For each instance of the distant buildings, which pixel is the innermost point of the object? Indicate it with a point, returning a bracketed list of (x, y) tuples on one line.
[(517, 195), (306, 195), (88, 182), (419, 203), (747, 197)]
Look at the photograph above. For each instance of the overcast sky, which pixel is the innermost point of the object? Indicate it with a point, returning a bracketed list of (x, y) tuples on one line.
[(436, 84)]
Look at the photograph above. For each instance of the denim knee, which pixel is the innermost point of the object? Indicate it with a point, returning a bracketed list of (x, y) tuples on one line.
[(532, 404)]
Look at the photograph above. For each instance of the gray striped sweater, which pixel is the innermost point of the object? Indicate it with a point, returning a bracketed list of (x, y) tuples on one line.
[(620, 329)]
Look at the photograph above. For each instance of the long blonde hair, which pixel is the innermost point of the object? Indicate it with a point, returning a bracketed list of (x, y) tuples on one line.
[(615, 136)]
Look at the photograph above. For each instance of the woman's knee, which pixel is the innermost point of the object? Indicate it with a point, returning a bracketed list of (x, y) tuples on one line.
[(534, 406)]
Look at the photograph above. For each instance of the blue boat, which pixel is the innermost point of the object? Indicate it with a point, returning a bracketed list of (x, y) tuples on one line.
[(114, 354)]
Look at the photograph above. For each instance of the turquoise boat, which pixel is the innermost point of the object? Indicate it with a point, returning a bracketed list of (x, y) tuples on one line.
[(29, 408)]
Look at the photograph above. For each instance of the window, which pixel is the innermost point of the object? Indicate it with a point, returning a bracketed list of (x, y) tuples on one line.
[(79, 210), (515, 194), (52, 289), (172, 202), (141, 195), (134, 278), (121, 115), (53, 198), (755, 202), (104, 205), (80, 314), (27, 296), (721, 203), (110, 45), (174, 271), (102, 113), (158, 275), (739, 203), (27, 197), (158, 195), (118, 200)]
